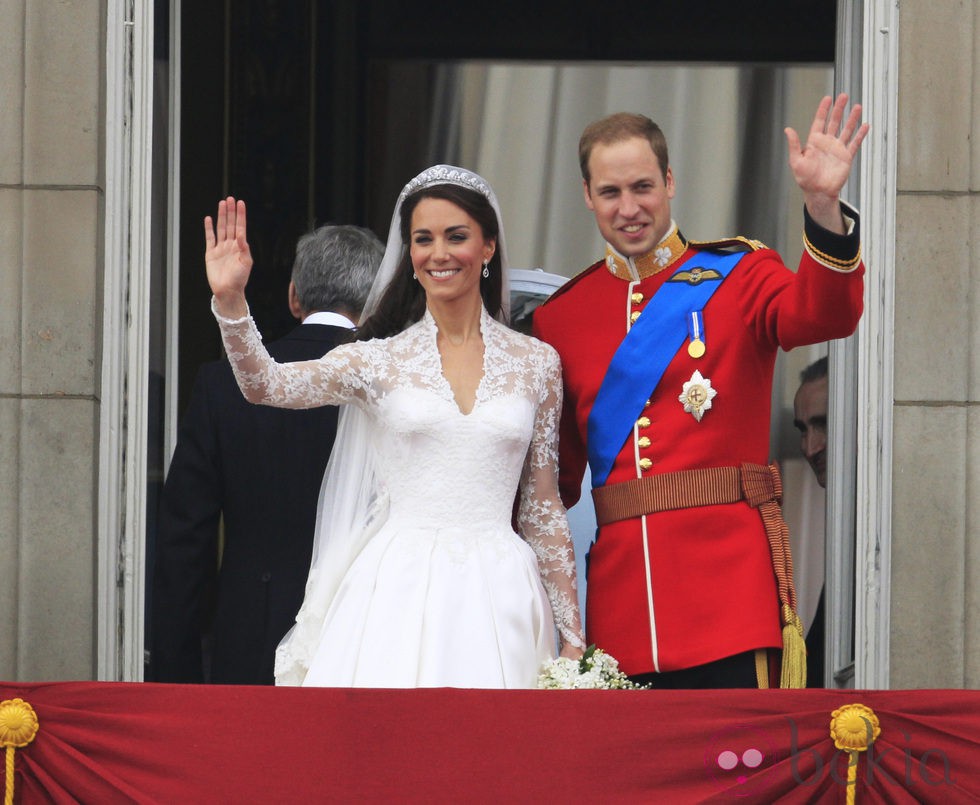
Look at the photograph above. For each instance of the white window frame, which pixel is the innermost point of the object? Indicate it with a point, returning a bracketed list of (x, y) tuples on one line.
[(121, 521), (867, 58)]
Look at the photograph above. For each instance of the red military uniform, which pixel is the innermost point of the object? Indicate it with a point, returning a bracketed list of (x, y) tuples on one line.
[(681, 588)]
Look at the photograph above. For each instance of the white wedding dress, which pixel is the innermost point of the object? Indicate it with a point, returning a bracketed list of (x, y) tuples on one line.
[(443, 592)]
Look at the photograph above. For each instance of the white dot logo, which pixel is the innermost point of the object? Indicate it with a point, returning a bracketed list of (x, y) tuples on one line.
[(752, 758), (728, 760), (734, 756)]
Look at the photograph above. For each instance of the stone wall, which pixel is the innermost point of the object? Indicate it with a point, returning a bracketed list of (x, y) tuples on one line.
[(935, 592), (51, 220)]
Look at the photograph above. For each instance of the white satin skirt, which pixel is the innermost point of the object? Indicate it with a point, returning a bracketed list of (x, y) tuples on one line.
[(436, 607)]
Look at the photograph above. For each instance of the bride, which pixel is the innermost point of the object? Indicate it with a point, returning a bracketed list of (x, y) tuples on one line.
[(418, 578)]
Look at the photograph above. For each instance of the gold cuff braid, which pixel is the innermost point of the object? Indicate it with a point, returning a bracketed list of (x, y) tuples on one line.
[(829, 260)]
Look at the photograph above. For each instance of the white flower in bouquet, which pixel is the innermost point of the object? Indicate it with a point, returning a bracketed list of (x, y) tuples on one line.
[(597, 670)]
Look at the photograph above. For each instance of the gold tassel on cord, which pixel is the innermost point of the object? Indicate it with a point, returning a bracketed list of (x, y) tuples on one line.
[(793, 671), (763, 489), (18, 726)]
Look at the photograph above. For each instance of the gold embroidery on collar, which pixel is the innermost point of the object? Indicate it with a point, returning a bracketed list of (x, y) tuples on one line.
[(653, 262)]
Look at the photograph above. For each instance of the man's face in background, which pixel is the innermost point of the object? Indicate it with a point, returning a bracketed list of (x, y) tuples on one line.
[(810, 418)]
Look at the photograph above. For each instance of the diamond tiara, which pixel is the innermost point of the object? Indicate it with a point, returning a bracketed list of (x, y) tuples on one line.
[(447, 174)]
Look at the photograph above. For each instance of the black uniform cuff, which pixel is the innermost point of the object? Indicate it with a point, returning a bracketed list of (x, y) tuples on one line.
[(842, 252)]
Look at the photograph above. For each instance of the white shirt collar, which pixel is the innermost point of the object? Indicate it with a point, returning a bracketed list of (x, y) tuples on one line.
[(328, 317)]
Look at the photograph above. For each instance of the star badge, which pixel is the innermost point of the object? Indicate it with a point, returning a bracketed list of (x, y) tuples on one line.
[(697, 395)]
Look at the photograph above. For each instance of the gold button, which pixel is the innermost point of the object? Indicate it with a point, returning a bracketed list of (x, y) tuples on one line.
[(645, 463), (637, 297), (634, 315), (643, 421), (647, 403), (643, 441)]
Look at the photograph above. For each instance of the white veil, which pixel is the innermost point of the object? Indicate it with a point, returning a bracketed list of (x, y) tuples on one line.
[(353, 504)]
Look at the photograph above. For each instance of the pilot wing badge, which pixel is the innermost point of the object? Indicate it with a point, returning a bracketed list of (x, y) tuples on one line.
[(695, 275)]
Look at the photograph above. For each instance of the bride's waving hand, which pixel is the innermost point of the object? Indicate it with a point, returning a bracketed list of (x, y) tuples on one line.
[(228, 257)]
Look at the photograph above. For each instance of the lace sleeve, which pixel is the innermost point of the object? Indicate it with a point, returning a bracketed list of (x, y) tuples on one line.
[(340, 376), (541, 517)]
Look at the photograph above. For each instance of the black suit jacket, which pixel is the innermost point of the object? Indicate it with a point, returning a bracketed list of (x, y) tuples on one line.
[(261, 468)]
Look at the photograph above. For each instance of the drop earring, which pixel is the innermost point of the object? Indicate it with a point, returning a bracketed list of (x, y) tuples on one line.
[(486, 269), (415, 276)]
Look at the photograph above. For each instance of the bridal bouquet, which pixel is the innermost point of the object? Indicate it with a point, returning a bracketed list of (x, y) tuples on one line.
[(595, 671)]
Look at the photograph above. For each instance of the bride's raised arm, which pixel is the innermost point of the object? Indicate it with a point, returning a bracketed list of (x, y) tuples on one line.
[(541, 517), (228, 258), (342, 375)]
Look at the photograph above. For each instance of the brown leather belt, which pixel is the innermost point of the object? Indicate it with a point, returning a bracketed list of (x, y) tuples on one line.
[(753, 483), (758, 485)]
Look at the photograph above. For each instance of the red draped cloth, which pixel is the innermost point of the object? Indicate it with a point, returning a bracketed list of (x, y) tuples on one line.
[(128, 742)]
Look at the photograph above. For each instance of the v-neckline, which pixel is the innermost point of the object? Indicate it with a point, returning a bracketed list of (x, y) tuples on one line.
[(484, 329)]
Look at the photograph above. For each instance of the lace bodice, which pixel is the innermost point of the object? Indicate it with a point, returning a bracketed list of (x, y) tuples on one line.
[(444, 469)]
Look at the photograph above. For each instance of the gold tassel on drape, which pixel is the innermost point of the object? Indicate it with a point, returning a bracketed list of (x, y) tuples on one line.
[(854, 729), (18, 726)]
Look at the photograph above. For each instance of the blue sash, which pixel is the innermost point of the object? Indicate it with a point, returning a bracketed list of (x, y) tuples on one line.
[(643, 356)]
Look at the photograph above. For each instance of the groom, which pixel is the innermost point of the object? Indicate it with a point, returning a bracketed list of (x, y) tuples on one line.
[(667, 349)]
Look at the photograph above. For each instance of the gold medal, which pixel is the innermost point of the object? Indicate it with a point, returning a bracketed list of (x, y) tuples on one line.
[(695, 331)]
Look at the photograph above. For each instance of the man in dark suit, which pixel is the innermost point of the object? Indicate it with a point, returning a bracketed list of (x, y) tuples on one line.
[(259, 468)]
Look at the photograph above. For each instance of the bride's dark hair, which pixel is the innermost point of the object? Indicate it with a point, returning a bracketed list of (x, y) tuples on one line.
[(403, 301)]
